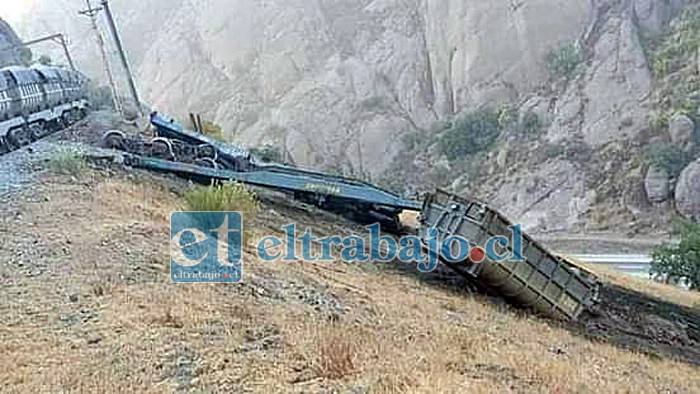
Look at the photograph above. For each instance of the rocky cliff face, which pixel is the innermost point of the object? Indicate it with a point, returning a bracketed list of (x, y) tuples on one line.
[(336, 84), (8, 39), (333, 82)]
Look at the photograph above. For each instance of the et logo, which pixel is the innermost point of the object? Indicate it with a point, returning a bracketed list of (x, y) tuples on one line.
[(205, 247)]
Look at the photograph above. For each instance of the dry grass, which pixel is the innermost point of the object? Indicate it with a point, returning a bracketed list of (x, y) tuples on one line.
[(336, 355), (104, 318)]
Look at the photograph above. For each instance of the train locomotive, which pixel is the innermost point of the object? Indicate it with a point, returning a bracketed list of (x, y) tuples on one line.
[(37, 100)]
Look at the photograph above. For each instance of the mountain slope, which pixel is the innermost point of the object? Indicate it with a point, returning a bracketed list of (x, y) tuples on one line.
[(9, 39), (340, 85)]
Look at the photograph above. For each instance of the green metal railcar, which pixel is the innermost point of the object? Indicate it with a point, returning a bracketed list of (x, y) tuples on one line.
[(547, 283)]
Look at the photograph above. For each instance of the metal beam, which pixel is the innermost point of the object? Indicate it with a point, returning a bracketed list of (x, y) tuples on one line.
[(58, 38)]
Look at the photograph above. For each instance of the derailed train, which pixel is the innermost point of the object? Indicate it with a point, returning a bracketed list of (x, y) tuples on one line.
[(534, 277), (37, 100)]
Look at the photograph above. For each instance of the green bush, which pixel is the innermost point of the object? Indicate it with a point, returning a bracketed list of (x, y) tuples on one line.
[(669, 157), (226, 197), (268, 154), (417, 140), (213, 130), (475, 133), (530, 125), (68, 161), (374, 103), (45, 60), (555, 151), (564, 61), (658, 123), (650, 41), (680, 261), (679, 45)]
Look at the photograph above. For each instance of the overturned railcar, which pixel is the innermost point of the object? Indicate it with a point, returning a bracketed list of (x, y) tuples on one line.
[(532, 276)]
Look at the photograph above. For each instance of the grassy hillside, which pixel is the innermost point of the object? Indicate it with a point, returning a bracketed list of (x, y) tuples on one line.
[(86, 305)]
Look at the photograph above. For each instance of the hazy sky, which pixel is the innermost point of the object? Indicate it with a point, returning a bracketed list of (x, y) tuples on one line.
[(11, 10)]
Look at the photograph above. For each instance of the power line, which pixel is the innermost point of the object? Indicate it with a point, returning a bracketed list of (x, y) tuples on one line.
[(57, 38), (92, 14)]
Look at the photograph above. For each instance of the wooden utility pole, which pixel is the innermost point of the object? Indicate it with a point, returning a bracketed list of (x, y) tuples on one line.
[(92, 14), (122, 55)]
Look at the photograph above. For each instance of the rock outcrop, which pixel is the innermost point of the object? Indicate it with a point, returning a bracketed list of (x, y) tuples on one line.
[(337, 82), (681, 128), (9, 39), (657, 185), (610, 99), (688, 192)]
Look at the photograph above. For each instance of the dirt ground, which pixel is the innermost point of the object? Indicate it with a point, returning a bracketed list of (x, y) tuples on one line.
[(86, 306), (638, 321)]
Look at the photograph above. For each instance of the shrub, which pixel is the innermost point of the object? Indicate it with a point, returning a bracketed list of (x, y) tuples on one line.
[(45, 60), (474, 133), (681, 261), (417, 140), (68, 161), (530, 125), (564, 60), (213, 130), (681, 44), (650, 41), (374, 103), (556, 150), (225, 197), (268, 153), (658, 123), (100, 96), (669, 157)]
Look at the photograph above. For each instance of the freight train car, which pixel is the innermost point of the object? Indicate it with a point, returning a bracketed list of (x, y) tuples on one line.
[(37, 100)]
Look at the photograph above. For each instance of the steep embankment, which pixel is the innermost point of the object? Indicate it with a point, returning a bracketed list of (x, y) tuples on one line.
[(85, 294)]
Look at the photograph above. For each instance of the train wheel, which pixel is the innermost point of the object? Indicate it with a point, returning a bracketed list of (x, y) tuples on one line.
[(113, 139), (206, 162), (36, 131), (181, 152), (52, 126), (207, 151), (19, 137), (65, 120), (162, 149)]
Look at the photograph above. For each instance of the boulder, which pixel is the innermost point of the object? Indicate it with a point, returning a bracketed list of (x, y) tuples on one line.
[(688, 192), (681, 129), (656, 184), (654, 15)]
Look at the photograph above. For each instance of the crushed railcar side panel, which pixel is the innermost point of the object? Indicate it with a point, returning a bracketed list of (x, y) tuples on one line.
[(544, 282)]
